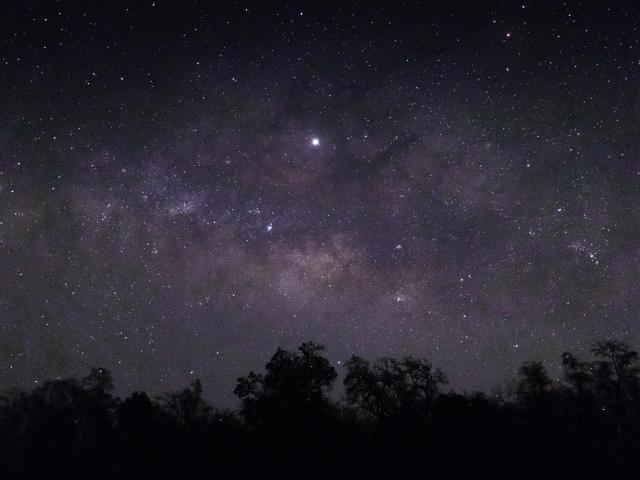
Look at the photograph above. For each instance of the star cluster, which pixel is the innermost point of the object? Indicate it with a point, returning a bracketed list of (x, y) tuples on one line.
[(185, 186)]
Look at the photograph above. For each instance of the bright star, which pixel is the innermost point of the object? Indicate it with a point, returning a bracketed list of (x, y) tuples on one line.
[(315, 142)]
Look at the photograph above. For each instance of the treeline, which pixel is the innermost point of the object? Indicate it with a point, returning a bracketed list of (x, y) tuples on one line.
[(397, 420)]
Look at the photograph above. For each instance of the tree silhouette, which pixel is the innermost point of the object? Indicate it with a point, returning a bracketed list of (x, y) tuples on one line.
[(533, 384), (188, 405), (578, 374), (99, 380), (65, 423), (391, 388), (288, 411), (293, 380), (616, 371), (395, 421), (617, 384), (140, 435)]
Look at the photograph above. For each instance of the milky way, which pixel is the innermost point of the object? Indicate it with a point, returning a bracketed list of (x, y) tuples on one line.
[(186, 186)]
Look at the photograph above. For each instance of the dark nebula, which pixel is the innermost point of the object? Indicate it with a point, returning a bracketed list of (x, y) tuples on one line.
[(185, 186)]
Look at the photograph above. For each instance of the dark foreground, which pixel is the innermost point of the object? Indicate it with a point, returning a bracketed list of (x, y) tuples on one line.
[(395, 422)]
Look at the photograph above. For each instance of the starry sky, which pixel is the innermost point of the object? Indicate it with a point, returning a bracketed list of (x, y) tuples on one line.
[(185, 186)]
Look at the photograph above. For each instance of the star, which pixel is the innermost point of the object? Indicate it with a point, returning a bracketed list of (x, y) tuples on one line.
[(315, 141)]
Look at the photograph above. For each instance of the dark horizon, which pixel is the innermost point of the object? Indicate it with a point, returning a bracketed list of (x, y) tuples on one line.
[(396, 415)]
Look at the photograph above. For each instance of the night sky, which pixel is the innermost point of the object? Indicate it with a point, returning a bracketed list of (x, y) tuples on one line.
[(185, 186)]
